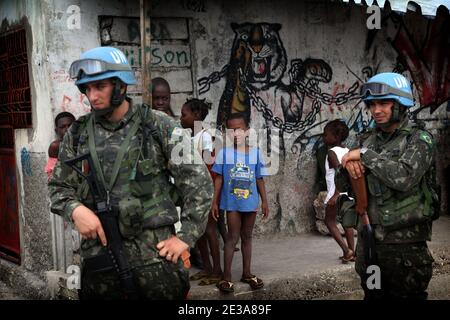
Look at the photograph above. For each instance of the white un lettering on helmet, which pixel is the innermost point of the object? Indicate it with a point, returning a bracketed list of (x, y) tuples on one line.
[(118, 56), (401, 82)]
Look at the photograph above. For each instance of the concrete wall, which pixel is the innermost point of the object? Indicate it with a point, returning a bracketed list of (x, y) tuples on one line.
[(35, 231), (35, 221), (327, 52), (324, 52), (318, 54)]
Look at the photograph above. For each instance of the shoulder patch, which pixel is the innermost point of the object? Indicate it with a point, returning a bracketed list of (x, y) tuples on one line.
[(426, 138)]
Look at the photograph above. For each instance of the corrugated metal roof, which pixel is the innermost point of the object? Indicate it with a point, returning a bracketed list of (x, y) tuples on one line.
[(428, 7)]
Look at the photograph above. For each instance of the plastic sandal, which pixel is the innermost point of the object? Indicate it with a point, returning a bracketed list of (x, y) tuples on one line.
[(254, 282), (225, 286), (349, 258)]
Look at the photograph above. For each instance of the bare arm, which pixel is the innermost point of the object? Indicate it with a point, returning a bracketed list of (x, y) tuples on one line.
[(262, 192), (333, 161), (218, 182)]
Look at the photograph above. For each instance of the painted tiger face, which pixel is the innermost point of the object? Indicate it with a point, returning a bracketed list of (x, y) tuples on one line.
[(258, 49)]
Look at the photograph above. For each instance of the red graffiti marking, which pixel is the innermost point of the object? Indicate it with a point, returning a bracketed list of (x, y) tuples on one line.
[(336, 89), (84, 106), (61, 76), (79, 105), (65, 104), (430, 65)]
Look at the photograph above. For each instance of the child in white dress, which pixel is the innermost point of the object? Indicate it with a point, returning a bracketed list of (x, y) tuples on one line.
[(334, 133)]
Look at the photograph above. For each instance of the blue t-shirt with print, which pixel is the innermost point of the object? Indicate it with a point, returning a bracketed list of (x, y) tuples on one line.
[(240, 171)]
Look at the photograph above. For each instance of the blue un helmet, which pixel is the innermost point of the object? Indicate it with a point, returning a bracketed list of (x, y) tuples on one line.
[(103, 63), (389, 85)]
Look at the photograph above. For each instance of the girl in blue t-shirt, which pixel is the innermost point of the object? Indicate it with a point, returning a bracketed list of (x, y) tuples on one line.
[(238, 185)]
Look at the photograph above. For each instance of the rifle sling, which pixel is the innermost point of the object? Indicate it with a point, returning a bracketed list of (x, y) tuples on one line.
[(123, 148)]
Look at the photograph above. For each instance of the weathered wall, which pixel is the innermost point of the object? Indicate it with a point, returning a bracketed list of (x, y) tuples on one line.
[(30, 153), (314, 57), (35, 230), (53, 42)]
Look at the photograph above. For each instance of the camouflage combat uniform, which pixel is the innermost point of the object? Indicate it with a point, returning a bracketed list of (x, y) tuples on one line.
[(398, 164), (141, 193)]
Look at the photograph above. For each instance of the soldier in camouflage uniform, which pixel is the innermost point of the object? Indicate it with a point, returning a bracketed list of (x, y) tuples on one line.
[(139, 190), (397, 159)]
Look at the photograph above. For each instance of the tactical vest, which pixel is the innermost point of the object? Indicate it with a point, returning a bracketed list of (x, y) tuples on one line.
[(399, 216), (142, 193)]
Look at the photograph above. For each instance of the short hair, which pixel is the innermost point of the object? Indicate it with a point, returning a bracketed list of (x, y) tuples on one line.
[(199, 105), (64, 114), (239, 115), (158, 81), (338, 128)]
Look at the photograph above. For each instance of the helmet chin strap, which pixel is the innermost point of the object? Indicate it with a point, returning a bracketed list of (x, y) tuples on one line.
[(396, 116), (116, 100)]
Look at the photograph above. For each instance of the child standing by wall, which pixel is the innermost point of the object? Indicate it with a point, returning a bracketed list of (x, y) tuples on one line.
[(335, 132), (197, 110), (238, 185), (63, 121), (161, 96)]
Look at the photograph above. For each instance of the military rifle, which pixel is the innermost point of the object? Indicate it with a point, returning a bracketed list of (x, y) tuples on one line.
[(360, 191), (108, 218)]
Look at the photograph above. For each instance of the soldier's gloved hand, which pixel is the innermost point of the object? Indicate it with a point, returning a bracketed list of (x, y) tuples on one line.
[(172, 248), (88, 224)]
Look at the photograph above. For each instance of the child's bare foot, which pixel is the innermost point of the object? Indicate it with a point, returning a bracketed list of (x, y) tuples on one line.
[(235, 249), (348, 256)]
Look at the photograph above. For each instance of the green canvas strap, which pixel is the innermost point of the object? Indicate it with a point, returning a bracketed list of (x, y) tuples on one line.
[(123, 148), (427, 195)]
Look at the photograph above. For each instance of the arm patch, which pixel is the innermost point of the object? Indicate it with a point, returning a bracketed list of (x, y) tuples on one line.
[(426, 138)]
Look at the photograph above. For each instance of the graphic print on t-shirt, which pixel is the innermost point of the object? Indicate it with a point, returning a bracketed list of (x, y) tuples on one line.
[(241, 178)]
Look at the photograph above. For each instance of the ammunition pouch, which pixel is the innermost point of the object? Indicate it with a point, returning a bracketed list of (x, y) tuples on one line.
[(398, 210), (346, 214), (153, 208), (146, 173), (98, 264), (130, 217), (399, 214)]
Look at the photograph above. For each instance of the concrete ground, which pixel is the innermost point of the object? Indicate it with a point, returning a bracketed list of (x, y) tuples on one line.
[(6, 293), (307, 267)]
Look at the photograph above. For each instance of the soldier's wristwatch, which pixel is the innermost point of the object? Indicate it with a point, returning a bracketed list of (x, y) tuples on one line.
[(362, 150)]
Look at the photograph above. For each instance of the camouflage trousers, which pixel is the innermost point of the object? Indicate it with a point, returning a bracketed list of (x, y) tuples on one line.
[(158, 281), (406, 270)]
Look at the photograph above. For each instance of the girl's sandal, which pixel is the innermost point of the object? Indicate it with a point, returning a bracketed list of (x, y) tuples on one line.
[(349, 257), (225, 286), (254, 282), (209, 280), (198, 276)]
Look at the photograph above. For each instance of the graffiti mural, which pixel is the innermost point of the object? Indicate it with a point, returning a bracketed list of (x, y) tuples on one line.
[(194, 5), (426, 56), (254, 85), (428, 62)]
